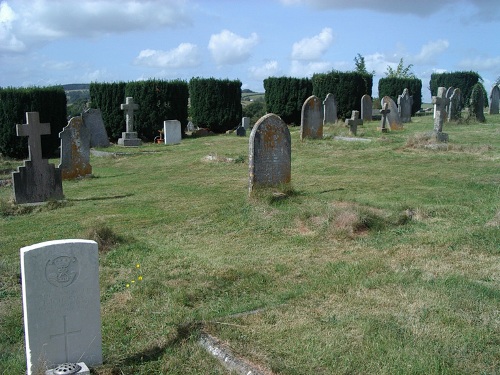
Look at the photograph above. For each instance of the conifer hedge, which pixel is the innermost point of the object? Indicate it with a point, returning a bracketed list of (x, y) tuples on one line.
[(347, 88), (394, 87), (108, 97), (49, 102), (465, 81), (215, 103), (158, 101), (285, 96)]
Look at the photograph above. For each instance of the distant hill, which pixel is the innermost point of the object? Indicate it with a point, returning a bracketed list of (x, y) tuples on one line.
[(76, 86), (247, 91)]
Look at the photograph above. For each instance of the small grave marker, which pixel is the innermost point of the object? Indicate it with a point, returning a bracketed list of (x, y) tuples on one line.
[(353, 122), (366, 107), (384, 112)]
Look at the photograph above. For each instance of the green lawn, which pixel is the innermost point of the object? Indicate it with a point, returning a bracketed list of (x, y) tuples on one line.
[(383, 258)]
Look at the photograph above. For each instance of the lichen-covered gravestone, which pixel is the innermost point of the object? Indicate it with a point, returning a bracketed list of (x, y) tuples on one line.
[(36, 181), (172, 132), (270, 153), (494, 100), (329, 110), (61, 304), (405, 102), (366, 107), (92, 119), (440, 102), (75, 150), (455, 106), (311, 119), (129, 137), (393, 119)]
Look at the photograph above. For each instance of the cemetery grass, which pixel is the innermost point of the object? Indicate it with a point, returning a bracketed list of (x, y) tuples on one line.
[(381, 257)]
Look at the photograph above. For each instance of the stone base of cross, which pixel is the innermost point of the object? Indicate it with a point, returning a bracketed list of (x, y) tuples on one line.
[(129, 139)]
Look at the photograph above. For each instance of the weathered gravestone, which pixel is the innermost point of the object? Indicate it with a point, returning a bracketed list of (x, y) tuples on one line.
[(494, 100), (405, 102), (245, 122), (172, 132), (311, 119), (129, 137), (440, 102), (270, 153), (449, 93), (61, 304), (37, 180), (366, 107), (329, 110), (383, 123), (241, 131), (75, 150), (455, 107), (393, 119), (353, 122), (92, 119)]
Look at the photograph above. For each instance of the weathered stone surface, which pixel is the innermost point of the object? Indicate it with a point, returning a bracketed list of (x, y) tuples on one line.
[(129, 137), (36, 181), (269, 153), (241, 131), (353, 122), (383, 122), (92, 119), (455, 107), (440, 102), (61, 304), (405, 102), (329, 110), (311, 119), (393, 119), (494, 100), (75, 150), (366, 107), (172, 132), (245, 122)]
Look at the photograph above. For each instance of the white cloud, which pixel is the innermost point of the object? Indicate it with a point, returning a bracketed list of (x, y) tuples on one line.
[(481, 63), (186, 55), (307, 69), (269, 69), (430, 50), (310, 49), (230, 48), (8, 41)]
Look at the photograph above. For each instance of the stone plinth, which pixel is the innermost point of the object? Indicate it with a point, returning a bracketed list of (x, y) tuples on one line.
[(129, 139)]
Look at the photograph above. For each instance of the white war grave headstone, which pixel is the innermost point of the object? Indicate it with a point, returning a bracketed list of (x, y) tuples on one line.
[(75, 150), (393, 118), (311, 119), (494, 100), (329, 110), (440, 102), (172, 132), (129, 137), (366, 107), (92, 119), (270, 153), (61, 304), (245, 122), (36, 181), (405, 102)]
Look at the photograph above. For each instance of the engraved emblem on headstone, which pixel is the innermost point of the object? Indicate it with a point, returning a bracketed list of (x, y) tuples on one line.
[(62, 271)]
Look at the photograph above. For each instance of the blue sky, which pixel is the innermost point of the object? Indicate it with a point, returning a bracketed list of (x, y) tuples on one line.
[(46, 42)]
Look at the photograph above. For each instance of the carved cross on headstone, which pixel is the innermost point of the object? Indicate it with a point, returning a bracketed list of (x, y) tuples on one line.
[(65, 334), (33, 129), (440, 101), (384, 113), (129, 107)]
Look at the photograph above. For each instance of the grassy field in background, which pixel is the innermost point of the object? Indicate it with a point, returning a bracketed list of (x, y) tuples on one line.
[(383, 258)]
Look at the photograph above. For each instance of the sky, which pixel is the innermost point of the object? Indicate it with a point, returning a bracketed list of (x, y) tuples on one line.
[(52, 42)]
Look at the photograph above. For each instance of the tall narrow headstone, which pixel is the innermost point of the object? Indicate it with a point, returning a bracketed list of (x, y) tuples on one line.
[(366, 107), (129, 137), (37, 180), (245, 122), (270, 153), (494, 100), (449, 93), (353, 122), (92, 119), (172, 132), (440, 102), (75, 150), (405, 102), (311, 119), (329, 110), (393, 119), (455, 107), (61, 304)]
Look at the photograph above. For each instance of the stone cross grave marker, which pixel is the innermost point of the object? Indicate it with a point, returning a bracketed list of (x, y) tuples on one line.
[(440, 102), (384, 112), (405, 102), (393, 118), (61, 304), (172, 132), (455, 105), (270, 153), (311, 119), (92, 119), (353, 122), (75, 150), (494, 100), (366, 107), (129, 137), (329, 109), (36, 181)]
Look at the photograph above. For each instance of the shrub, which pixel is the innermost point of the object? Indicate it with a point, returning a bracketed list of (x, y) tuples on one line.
[(394, 87)]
